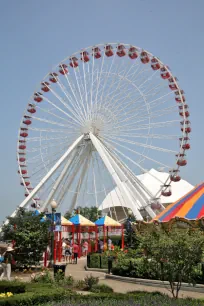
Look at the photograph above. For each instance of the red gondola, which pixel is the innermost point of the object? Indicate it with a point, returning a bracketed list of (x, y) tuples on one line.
[(33, 205), (22, 171), (181, 159), (133, 53), (121, 50), (63, 69), (144, 57), (38, 97), (22, 159), (27, 122), (182, 162), (27, 183), (155, 64), (45, 87), (74, 62), (26, 194), (184, 110), (167, 191), (175, 178), (165, 74), (186, 144), (96, 52), (24, 135), (156, 204), (108, 50), (84, 56), (53, 77), (172, 83), (179, 96), (22, 147), (187, 126), (31, 110), (30, 188)]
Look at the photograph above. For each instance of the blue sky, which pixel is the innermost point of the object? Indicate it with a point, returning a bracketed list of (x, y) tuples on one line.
[(36, 35)]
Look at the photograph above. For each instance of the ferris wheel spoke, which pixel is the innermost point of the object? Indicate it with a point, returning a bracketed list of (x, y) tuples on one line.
[(80, 94), (147, 126), (50, 122), (47, 111), (47, 146), (77, 105), (105, 82), (155, 114), (71, 108), (75, 123), (156, 136), (139, 144), (37, 138), (53, 130), (136, 107)]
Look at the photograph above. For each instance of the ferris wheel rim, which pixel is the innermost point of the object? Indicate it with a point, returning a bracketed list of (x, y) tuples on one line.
[(168, 181)]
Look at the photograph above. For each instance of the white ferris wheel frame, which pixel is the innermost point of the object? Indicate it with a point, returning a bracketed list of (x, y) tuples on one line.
[(129, 191)]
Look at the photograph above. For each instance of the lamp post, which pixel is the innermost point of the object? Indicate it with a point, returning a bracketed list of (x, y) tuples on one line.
[(129, 225), (53, 205)]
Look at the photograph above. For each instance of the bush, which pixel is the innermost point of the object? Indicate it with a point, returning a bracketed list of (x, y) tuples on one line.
[(101, 288), (42, 277), (35, 297), (141, 298), (14, 287), (90, 281), (80, 284)]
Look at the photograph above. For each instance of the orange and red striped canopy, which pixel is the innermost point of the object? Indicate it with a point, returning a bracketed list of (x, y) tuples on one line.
[(190, 206)]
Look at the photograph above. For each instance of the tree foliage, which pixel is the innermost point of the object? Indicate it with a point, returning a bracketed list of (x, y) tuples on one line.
[(30, 236), (178, 253), (91, 213)]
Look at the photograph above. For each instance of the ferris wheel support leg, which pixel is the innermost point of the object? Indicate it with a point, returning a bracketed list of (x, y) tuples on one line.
[(57, 183), (73, 177), (47, 176), (78, 187), (138, 193), (123, 190)]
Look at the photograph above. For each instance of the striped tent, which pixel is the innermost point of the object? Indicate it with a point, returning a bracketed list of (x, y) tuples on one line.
[(80, 220), (190, 206), (107, 221)]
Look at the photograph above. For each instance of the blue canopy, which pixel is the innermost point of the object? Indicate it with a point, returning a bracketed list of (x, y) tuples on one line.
[(80, 220), (107, 221)]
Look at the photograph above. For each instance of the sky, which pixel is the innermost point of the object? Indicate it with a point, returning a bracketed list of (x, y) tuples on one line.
[(36, 35)]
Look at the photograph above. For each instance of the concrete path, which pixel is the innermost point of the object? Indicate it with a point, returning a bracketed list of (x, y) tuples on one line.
[(78, 272)]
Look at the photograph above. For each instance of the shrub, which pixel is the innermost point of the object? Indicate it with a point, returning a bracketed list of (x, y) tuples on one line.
[(139, 299), (42, 277), (90, 281), (69, 281), (40, 295), (13, 287), (80, 284), (101, 288)]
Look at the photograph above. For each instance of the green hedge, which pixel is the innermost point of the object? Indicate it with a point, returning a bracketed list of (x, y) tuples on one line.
[(137, 298), (36, 296), (14, 287)]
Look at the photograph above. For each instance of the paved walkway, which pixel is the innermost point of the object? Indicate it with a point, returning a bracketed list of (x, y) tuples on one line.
[(78, 272)]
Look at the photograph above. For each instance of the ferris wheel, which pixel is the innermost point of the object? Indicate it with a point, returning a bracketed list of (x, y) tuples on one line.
[(103, 116)]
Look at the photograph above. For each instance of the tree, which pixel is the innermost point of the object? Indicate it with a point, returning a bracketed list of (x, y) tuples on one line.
[(91, 213), (177, 253), (30, 235)]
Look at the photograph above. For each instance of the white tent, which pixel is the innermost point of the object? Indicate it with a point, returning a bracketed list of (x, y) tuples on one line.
[(152, 180)]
